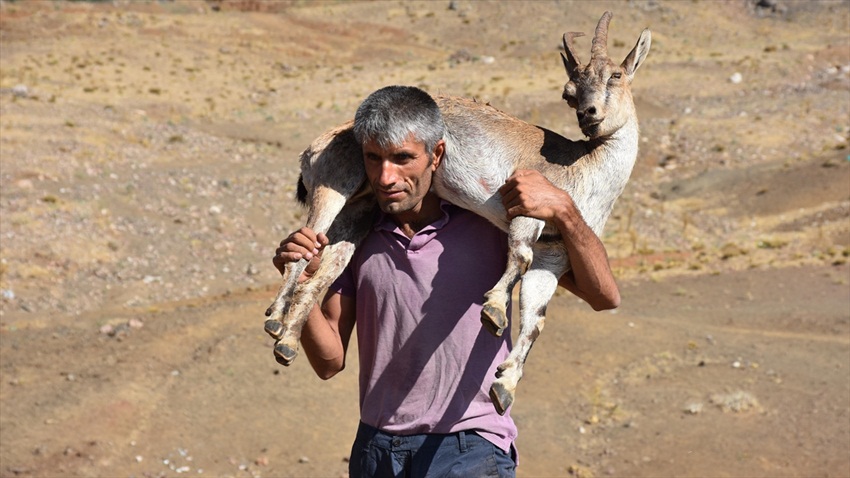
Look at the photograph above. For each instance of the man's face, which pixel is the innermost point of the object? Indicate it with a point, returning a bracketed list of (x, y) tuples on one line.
[(400, 175)]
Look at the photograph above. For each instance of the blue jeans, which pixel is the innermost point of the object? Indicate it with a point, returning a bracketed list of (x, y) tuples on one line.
[(461, 454)]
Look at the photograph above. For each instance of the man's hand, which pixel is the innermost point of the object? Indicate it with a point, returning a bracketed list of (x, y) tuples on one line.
[(301, 244), (529, 193)]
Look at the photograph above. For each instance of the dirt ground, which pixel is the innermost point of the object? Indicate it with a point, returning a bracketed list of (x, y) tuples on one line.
[(148, 158)]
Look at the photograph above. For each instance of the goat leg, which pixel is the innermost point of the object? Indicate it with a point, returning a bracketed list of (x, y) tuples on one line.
[(334, 258), (524, 231), (345, 234), (326, 204), (538, 287)]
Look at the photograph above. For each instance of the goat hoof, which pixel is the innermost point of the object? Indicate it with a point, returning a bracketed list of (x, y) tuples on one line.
[(494, 320), (501, 397), (284, 354), (274, 328)]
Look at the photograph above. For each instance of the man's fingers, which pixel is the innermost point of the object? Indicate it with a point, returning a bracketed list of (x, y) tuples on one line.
[(510, 196), (296, 247), (290, 249), (304, 241), (322, 240), (510, 184), (515, 211), (301, 244)]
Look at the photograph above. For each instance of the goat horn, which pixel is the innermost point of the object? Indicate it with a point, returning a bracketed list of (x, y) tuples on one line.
[(568, 47), (599, 47)]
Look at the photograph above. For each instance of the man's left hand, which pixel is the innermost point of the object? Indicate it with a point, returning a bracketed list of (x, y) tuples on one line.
[(528, 193)]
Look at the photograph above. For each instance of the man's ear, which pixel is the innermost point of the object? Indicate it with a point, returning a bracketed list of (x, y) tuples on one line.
[(439, 151)]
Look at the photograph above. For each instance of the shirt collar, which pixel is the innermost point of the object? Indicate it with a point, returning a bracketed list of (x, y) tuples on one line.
[(384, 222)]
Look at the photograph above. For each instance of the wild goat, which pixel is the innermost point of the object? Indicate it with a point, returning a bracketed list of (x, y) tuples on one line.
[(484, 146)]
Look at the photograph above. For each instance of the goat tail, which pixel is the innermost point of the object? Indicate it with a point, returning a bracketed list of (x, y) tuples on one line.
[(301, 193)]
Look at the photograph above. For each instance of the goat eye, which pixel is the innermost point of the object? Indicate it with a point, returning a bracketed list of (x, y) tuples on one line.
[(616, 76)]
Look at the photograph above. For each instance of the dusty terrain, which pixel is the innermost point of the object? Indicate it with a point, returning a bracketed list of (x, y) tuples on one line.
[(148, 156)]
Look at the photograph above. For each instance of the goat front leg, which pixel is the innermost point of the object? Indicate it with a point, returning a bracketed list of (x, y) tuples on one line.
[(538, 287), (524, 231)]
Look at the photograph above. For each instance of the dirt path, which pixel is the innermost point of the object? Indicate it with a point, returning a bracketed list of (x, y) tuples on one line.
[(637, 393)]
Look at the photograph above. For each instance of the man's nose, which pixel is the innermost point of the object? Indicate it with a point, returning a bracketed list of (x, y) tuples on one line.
[(389, 175)]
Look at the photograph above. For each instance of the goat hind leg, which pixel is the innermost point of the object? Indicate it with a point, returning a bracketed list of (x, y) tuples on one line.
[(334, 259), (346, 233), (281, 304), (325, 206), (524, 231)]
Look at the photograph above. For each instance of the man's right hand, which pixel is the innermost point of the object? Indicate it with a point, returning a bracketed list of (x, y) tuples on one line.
[(301, 244)]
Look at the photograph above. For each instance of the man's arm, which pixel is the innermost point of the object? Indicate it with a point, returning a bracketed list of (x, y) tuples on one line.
[(328, 329), (326, 334), (529, 193)]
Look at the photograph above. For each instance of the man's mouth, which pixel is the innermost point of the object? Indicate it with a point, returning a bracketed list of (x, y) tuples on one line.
[(394, 194)]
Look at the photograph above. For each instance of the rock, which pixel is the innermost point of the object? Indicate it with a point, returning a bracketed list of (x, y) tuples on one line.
[(21, 91), (736, 78), (771, 6), (736, 402), (461, 56)]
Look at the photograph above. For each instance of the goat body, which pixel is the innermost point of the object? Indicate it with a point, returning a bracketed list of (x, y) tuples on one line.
[(484, 147)]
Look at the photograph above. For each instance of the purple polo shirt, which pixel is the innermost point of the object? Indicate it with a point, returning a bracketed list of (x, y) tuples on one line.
[(426, 362)]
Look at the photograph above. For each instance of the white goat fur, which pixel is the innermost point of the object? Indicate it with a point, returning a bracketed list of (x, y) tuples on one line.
[(484, 147)]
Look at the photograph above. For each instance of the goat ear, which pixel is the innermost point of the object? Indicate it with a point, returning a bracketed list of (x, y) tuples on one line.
[(635, 58)]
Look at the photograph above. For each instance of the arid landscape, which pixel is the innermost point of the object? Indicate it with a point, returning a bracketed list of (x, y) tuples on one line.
[(148, 159)]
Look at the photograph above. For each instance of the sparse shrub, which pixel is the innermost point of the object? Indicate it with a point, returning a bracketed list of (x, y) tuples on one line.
[(731, 250), (771, 244)]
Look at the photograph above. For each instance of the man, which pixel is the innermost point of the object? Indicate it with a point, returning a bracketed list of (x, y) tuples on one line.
[(415, 289)]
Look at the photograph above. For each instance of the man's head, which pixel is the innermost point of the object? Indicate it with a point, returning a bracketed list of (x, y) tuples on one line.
[(401, 130)]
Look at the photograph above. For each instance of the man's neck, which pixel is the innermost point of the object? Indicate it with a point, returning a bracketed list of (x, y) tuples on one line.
[(428, 211)]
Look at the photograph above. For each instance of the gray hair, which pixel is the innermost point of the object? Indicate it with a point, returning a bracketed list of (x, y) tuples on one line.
[(389, 115)]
